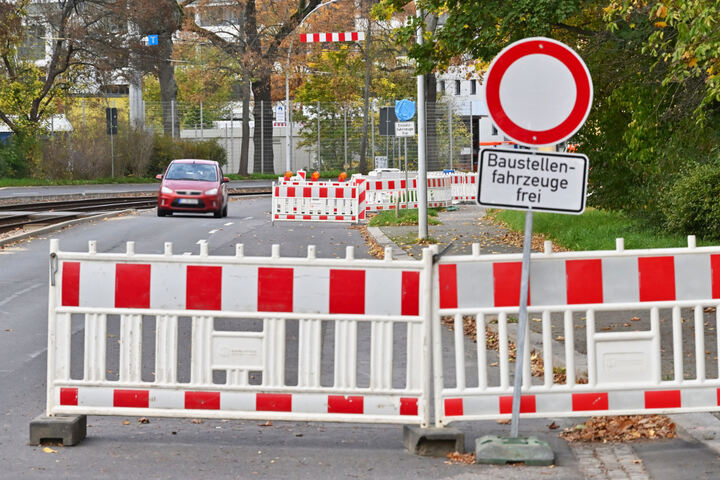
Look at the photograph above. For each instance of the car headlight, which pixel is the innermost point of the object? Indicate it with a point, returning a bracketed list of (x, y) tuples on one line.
[(212, 191), (166, 190)]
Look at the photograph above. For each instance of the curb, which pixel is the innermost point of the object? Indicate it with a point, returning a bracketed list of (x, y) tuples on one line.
[(58, 226), (384, 241)]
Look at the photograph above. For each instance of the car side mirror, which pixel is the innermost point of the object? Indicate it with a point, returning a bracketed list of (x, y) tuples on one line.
[(225, 180), (158, 176)]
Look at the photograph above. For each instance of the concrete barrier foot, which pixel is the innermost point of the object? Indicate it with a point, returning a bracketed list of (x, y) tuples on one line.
[(501, 450), (68, 429), (432, 441)]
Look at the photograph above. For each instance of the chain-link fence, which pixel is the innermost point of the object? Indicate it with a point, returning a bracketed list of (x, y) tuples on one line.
[(320, 135)]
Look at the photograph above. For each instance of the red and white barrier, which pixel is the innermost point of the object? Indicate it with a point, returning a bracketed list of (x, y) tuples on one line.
[(238, 310), (624, 372), (261, 323), (464, 187), (332, 37), (318, 201), (389, 194)]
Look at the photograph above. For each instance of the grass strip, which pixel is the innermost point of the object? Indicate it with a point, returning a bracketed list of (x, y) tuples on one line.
[(403, 218), (594, 230)]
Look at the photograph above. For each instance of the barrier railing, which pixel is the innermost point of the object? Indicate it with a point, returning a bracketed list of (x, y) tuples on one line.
[(310, 339), (239, 337), (389, 194), (318, 201), (571, 292), (464, 187)]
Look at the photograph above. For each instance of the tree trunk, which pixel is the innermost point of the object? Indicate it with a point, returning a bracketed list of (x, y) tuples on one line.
[(263, 159), (168, 87), (432, 159), (245, 145)]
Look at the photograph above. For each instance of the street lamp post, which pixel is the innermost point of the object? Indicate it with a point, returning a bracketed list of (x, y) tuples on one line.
[(288, 119)]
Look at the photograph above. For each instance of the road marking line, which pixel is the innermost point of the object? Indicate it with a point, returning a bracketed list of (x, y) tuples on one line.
[(228, 224), (213, 231), (20, 292)]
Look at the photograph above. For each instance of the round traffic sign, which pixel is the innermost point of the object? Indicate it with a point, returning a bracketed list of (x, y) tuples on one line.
[(538, 91)]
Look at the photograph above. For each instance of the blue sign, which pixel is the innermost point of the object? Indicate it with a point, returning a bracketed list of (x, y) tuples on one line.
[(404, 110), (152, 40)]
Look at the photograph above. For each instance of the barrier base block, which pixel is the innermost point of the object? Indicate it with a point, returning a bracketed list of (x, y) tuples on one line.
[(501, 450), (432, 441), (69, 429)]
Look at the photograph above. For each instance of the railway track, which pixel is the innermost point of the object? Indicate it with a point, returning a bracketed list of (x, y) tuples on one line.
[(18, 216)]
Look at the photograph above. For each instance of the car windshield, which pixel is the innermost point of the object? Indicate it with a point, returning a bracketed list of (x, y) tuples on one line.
[(192, 171)]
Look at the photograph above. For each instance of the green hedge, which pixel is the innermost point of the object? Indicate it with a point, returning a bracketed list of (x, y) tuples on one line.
[(692, 204)]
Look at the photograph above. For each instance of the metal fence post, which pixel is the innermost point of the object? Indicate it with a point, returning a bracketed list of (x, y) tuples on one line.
[(318, 135), (345, 136), (201, 121), (372, 133), (172, 118), (232, 136), (472, 142), (450, 132), (262, 136)]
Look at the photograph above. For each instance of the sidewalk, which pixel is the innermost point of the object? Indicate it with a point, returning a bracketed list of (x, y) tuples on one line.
[(693, 454)]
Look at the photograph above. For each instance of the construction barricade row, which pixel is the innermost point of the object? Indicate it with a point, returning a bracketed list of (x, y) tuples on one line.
[(464, 187), (309, 339), (251, 333), (321, 201)]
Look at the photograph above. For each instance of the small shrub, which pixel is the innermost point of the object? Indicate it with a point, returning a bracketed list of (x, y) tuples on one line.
[(14, 157), (167, 149), (692, 204)]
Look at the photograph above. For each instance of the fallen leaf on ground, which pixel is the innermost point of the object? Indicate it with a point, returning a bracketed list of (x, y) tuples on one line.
[(457, 457), (126, 422), (197, 421), (503, 421), (143, 420), (622, 428), (266, 424), (635, 319), (49, 450), (553, 426)]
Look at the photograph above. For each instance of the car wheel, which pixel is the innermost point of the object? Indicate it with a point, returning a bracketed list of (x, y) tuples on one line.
[(160, 212), (218, 213), (224, 211)]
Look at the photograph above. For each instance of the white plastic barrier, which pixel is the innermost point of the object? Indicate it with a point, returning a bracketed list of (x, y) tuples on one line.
[(570, 291), (259, 329), (464, 187), (389, 194), (251, 332), (318, 201)]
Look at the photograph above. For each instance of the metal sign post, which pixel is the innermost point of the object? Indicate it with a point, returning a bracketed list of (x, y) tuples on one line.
[(538, 93)]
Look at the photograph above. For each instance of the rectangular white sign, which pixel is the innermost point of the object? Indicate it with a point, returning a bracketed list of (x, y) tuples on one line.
[(381, 161), (531, 179), (404, 129)]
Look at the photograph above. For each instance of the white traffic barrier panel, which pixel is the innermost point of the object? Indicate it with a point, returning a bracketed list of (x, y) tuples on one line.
[(389, 194), (241, 337), (595, 291), (464, 187), (318, 201)]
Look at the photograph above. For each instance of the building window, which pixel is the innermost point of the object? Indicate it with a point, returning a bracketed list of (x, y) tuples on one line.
[(457, 87), (442, 86), (473, 87)]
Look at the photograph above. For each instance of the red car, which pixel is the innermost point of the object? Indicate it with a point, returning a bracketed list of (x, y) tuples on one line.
[(193, 186)]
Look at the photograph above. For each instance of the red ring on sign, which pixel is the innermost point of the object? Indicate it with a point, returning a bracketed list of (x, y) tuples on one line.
[(580, 75)]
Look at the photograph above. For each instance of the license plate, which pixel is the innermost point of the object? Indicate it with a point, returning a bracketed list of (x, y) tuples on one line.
[(188, 201)]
